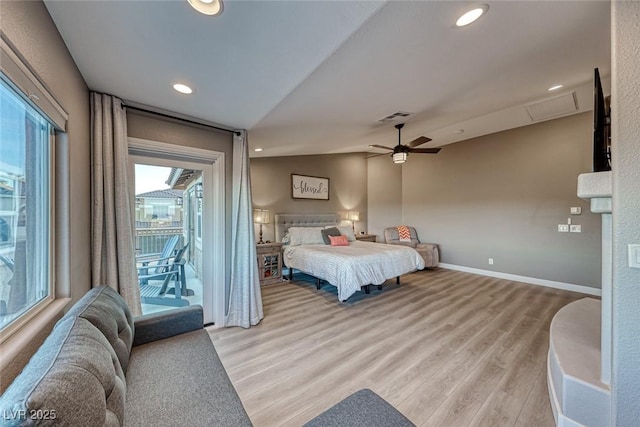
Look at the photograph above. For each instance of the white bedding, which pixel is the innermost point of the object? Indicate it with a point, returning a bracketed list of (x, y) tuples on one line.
[(350, 267)]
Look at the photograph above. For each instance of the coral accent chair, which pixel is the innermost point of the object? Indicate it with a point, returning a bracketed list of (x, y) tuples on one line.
[(429, 251)]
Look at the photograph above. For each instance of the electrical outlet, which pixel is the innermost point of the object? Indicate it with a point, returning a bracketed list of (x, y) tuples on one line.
[(634, 256), (576, 210), (576, 228), (563, 228), (490, 261)]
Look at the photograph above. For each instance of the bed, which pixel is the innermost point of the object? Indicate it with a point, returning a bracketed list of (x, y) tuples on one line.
[(348, 268)]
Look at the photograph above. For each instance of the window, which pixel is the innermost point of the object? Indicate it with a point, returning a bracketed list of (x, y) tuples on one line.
[(26, 207), (160, 211)]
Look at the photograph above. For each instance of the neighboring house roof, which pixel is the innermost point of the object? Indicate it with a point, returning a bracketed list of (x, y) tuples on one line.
[(178, 177), (161, 194)]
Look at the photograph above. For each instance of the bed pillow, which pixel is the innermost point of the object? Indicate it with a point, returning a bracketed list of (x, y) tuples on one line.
[(333, 231), (346, 230), (339, 240), (305, 236)]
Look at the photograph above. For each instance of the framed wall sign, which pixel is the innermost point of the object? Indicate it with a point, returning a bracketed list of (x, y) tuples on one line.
[(309, 187)]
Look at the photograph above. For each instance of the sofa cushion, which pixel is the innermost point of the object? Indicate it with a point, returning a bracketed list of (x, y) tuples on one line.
[(363, 408), (181, 381), (107, 311), (74, 378)]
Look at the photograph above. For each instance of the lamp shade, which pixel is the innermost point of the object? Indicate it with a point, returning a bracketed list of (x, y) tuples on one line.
[(261, 216), (353, 216)]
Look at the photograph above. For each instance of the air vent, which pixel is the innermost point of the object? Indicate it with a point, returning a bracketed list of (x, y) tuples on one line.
[(557, 106), (395, 116)]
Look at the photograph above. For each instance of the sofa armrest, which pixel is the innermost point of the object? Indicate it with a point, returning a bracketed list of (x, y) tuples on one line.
[(166, 324)]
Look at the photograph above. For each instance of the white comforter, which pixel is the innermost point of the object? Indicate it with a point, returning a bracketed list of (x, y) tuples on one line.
[(350, 267)]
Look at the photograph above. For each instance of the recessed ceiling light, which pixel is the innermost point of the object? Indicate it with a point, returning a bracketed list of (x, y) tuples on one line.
[(257, 149), (556, 87), (183, 88), (208, 7), (472, 15)]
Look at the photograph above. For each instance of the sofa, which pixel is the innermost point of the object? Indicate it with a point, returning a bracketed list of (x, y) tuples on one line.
[(429, 251), (101, 367)]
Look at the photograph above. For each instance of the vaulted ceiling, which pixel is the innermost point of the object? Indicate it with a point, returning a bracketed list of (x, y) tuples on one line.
[(309, 77)]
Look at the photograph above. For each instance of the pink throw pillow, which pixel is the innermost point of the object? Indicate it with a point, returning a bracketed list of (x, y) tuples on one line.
[(339, 240)]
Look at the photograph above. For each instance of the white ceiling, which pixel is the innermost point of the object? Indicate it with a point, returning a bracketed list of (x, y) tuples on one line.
[(309, 77)]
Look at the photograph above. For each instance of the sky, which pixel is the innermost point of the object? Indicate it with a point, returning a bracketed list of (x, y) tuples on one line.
[(150, 178)]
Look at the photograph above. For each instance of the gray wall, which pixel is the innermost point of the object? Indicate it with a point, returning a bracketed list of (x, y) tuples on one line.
[(625, 96), (155, 128), (384, 182), (271, 185), (28, 26), (502, 196)]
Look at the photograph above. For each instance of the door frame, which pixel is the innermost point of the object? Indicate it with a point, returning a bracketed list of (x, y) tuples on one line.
[(212, 165)]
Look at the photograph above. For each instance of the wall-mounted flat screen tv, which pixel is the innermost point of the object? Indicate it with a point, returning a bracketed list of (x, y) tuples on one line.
[(601, 126)]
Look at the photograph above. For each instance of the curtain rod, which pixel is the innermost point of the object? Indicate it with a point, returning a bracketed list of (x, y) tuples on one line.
[(130, 107)]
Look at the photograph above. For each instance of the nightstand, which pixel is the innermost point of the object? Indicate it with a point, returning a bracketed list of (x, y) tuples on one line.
[(366, 237), (269, 262)]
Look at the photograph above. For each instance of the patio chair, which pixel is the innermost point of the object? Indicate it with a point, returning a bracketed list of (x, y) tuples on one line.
[(158, 294), (158, 262)]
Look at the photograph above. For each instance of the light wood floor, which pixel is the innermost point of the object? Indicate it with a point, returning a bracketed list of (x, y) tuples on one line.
[(446, 348)]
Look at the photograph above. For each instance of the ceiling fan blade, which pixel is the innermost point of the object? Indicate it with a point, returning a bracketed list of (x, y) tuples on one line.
[(419, 141), (377, 155), (425, 150), (381, 146)]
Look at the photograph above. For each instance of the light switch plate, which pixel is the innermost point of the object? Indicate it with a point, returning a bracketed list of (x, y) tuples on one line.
[(576, 228), (634, 256), (576, 210)]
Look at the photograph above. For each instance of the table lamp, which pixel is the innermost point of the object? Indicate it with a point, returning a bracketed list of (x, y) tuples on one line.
[(353, 216), (261, 216)]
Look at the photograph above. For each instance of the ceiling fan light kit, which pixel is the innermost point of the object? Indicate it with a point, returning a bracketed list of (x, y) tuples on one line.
[(399, 157)]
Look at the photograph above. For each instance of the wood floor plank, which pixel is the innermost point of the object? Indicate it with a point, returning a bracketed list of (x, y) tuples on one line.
[(444, 347)]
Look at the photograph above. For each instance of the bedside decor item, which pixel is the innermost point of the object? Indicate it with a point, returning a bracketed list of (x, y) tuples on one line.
[(309, 187), (261, 216), (363, 237)]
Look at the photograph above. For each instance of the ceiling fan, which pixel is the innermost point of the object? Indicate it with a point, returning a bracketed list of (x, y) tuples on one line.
[(400, 152)]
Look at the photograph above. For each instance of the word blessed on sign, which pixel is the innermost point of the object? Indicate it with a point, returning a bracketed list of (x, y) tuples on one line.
[(309, 187)]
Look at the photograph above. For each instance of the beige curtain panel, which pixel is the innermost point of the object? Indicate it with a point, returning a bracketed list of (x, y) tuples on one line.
[(113, 253), (245, 299)]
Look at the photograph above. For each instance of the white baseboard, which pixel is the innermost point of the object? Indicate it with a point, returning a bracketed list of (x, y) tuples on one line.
[(525, 279)]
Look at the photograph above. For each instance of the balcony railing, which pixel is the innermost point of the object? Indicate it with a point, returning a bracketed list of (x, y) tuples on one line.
[(151, 239)]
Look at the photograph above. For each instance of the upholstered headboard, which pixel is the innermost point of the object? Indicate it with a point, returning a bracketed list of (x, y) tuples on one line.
[(284, 221)]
